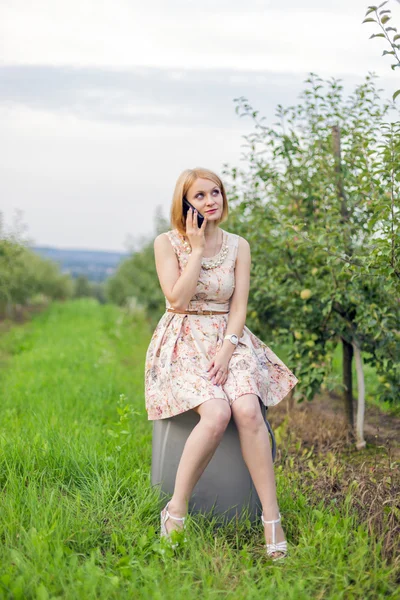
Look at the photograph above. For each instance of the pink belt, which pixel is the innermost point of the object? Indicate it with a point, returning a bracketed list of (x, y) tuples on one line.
[(197, 312)]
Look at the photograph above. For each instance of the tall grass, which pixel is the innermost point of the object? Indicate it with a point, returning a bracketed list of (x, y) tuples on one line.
[(78, 516)]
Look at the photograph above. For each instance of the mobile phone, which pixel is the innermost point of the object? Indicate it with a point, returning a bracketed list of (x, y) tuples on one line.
[(186, 206)]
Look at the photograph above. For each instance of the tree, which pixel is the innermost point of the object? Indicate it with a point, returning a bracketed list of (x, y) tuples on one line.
[(82, 287), (24, 275), (323, 227), (382, 17)]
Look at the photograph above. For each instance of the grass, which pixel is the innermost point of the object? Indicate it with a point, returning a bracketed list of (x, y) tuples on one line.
[(79, 518)]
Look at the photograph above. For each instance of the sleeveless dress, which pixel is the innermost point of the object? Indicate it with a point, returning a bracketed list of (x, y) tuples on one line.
[(182, 345)]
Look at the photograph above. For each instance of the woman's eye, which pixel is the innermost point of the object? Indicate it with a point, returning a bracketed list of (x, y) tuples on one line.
[(201, 193)]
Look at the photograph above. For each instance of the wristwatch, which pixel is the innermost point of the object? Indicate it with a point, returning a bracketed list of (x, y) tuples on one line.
[(233, 338)]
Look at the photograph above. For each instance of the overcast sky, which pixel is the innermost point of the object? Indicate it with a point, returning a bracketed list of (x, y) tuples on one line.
[(103, 104)]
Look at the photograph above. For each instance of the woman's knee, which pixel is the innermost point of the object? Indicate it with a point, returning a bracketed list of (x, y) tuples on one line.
[(215, 413), (247, 412)]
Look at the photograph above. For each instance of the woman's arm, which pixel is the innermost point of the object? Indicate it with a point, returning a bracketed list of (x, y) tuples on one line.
[(237, 313), (177, 288), (238, 305)]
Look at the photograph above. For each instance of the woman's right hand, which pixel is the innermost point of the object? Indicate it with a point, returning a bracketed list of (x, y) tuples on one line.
[(194, 233)]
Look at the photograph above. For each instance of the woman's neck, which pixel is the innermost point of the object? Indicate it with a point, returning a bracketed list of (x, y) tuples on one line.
[(212, 232)]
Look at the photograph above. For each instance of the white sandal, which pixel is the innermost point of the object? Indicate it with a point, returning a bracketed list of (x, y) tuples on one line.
[(275, 547), (164, 518)]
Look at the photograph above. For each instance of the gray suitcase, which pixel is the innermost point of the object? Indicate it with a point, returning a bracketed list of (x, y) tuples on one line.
[(225, 488)]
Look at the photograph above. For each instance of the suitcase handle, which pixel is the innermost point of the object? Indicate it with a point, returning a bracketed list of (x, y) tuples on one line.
[(271, 433)]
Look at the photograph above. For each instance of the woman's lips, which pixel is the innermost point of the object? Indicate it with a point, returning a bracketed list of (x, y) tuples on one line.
[(211, 211)]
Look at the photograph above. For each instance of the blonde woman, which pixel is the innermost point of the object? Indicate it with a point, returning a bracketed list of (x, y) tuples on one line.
[(202, 357)]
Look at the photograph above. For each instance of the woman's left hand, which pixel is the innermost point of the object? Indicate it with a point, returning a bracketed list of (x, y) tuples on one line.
[(219, 368)]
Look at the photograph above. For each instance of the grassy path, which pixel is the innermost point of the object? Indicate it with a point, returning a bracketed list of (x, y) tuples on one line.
[(78, 517)]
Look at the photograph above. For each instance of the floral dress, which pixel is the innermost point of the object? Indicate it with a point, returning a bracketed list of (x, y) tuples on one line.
[(182, 345)]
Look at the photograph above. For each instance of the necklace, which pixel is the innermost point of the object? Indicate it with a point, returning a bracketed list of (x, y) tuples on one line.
[(213, 261)]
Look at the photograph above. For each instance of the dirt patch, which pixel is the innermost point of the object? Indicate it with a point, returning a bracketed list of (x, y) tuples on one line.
[(322, 422), (314, 441)]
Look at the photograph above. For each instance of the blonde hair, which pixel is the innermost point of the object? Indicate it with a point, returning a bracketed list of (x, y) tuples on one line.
[(184, 182)]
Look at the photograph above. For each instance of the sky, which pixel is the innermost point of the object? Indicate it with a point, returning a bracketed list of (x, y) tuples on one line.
[(104, 104)]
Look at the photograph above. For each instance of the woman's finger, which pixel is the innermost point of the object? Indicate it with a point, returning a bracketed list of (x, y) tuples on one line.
[(195, 223), (213, 375), (219, 377)]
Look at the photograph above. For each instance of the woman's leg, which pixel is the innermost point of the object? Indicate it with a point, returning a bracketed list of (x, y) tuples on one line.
[(199, 448), (256, 450)]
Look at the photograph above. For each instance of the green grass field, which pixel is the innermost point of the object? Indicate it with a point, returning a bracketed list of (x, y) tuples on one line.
[(78, 516)]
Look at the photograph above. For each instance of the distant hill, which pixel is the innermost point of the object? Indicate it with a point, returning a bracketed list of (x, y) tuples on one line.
[(96, 265)]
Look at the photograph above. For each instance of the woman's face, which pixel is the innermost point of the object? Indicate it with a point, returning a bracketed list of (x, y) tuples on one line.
[(205, 195)]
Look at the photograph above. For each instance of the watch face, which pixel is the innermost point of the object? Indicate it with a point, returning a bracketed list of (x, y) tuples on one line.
[(234, 338)]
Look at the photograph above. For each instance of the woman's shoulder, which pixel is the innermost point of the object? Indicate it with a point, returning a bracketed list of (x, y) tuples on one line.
[(170, 234), (235, 238), (166, 239)]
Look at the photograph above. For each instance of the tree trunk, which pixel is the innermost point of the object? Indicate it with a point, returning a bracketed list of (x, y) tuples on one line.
[(360, 442), (347, 246), (290, 405), (9, 312), (348, 384)]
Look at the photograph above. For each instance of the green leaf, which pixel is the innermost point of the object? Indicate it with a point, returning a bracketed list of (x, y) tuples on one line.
[(396, 94), (377, 35), (42, 593), (385, 19), (370, 20)]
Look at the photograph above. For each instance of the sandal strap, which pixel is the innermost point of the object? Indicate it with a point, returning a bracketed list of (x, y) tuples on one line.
[(277, 547), (273, 543), (274, 521), (168, 514), (176, 518)]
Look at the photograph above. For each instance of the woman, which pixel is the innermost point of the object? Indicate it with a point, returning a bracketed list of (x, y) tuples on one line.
[(202, 357)]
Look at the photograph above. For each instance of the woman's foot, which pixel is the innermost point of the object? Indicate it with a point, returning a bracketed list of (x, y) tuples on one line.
[(174, 511), (274, 534)]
